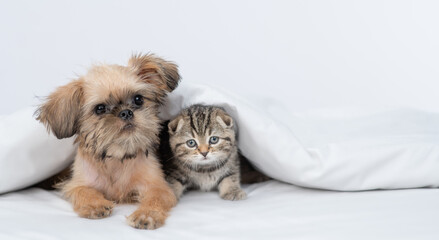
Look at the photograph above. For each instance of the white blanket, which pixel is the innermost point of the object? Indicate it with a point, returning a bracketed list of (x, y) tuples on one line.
[(343, 149), (347, 149)]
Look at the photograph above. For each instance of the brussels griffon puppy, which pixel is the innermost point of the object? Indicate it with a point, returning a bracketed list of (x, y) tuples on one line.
[(113, 110)]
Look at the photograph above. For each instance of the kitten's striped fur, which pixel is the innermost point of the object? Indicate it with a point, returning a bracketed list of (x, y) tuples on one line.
[(187, 167)]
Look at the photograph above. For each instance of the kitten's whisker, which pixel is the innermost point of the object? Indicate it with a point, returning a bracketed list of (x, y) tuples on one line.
[(173, 157)]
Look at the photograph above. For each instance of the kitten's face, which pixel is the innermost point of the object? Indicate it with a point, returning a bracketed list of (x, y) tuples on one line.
[(202, 136)]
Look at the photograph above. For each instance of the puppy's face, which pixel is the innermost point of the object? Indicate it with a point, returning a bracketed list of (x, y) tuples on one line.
[(119, 113), (112, 109)]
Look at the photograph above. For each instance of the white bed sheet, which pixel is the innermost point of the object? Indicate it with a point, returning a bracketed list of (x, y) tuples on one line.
[(274, 210)]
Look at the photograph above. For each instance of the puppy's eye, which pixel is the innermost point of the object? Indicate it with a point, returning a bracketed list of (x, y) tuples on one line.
[(100, 109), (213, 140), (138, 100), (191, 143)]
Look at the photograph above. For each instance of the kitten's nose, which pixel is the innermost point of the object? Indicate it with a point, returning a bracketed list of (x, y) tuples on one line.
[(126, 114), (204, 153)]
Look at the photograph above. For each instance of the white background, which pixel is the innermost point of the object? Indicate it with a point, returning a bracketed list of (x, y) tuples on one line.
[(307, 54)]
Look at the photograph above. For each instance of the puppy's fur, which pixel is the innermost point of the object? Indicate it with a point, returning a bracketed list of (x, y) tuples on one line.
[(113, 110)]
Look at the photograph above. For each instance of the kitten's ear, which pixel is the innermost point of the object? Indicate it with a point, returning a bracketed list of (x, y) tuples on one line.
[(60, 113), (156, 71), (224, 120), (175, 125)]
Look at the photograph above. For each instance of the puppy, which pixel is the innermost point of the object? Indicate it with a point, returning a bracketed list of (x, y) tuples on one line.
[(112, 111)]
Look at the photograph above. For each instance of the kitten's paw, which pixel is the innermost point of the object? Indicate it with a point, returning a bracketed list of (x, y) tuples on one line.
[(234, 195), (96, 209), (142, 219)]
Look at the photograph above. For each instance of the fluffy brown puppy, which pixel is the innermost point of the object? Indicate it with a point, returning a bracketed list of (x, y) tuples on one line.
[(113, 110)]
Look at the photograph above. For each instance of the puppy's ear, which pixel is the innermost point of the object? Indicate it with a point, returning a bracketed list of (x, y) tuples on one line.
[(175, 125), (156, 71), (60, 113), (224, 120)]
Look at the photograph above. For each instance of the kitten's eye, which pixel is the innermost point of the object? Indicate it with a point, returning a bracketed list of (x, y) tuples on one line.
[(100, 109), (191, 143), (213, 140), (138, 100)]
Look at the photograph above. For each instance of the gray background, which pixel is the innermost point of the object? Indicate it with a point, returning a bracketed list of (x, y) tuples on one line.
[(306, 54)]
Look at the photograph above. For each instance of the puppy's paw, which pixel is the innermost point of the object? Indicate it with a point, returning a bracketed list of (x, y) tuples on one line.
[(96, 209), (142, 219), (234, 195)]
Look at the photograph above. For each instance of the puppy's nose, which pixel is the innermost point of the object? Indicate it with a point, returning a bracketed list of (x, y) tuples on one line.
[(204, 153), (126, 114)]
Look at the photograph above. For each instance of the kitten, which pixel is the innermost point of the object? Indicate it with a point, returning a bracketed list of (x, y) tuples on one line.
[(204, 154)]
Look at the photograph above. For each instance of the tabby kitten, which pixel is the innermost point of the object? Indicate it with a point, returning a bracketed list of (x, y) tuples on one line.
[(204, 153)]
